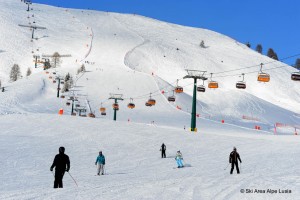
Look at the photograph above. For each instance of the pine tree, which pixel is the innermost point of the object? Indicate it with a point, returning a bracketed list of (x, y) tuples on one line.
[(259, 48), (297, 64), (248, 44), (28, 73), (271, 53), (15, 73)]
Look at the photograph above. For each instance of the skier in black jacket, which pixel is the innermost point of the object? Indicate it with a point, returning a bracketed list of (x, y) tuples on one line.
[(163, 150), (233, 159), (61, 163)]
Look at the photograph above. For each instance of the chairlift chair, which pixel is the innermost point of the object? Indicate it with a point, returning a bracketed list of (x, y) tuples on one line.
[(172, 98), (212, 84), (178, 89), (68, 103), (151, 101), (131, 105), (115, 106), (92, 115), (263, 77), (295, 76), (241, 84), (201, 88)]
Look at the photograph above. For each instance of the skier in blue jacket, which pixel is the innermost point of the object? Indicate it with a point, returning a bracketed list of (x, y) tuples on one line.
[(101, 162)]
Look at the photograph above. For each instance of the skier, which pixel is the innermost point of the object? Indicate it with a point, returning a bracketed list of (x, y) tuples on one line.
[(179, 159), (61, 163), (100, 160), (163, 150), (233, 159)]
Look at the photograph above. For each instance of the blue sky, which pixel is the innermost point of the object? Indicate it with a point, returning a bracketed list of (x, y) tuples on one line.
[(272, 23)]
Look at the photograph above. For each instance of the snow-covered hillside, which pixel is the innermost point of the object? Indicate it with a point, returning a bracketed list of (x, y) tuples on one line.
[(124, 51), (133, 55)]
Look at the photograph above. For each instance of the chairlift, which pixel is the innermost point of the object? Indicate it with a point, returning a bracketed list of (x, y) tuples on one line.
[(131, 105), (102, 109), (212, 84), (54, 81), (150, 102), (172, 98), (92, 115), (241, 84), (201, 88), (103, 113), (68, 103), (50, 77), (178, 89), (62, 96), (115, 106), (62, 82), (295, 76), (263, 77)]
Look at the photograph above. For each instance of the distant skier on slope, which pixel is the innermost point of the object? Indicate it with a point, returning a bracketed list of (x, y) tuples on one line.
[(179, 159), (163, 150), (233, 159), (100, 160), (61, 163)]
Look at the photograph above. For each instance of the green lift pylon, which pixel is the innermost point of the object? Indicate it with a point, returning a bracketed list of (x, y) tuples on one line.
[(194, 74), (116, 97)]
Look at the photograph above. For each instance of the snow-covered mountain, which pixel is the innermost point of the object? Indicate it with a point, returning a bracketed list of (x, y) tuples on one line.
[(133, 55)]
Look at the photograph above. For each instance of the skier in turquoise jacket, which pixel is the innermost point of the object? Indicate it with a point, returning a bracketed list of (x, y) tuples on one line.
[(100, 161)]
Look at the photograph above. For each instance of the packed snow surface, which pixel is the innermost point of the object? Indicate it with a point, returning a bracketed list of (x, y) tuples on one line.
[(134, 56)]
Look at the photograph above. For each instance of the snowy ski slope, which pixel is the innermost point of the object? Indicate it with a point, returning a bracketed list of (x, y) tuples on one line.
[(135, 56)]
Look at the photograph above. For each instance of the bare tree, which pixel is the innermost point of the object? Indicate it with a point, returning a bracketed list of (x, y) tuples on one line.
[(28, 73), (56, 60), (15, 73)]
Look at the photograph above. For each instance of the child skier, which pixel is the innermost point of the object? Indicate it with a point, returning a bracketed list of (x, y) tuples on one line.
[(179, 159), (101, 162)]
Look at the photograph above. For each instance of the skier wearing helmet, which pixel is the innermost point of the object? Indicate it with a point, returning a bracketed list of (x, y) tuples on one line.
[(233, 159), (61, 163)]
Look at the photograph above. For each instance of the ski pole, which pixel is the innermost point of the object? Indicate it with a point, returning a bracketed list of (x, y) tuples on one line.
[(73, 178), (227, 166)]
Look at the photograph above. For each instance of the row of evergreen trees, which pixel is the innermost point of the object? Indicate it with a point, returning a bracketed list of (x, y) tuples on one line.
[(272, 54)]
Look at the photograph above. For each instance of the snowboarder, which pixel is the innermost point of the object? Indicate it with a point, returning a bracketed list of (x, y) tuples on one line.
[(61, 163), (179, 159), (100, 160), (163, 150), (233, 159)]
